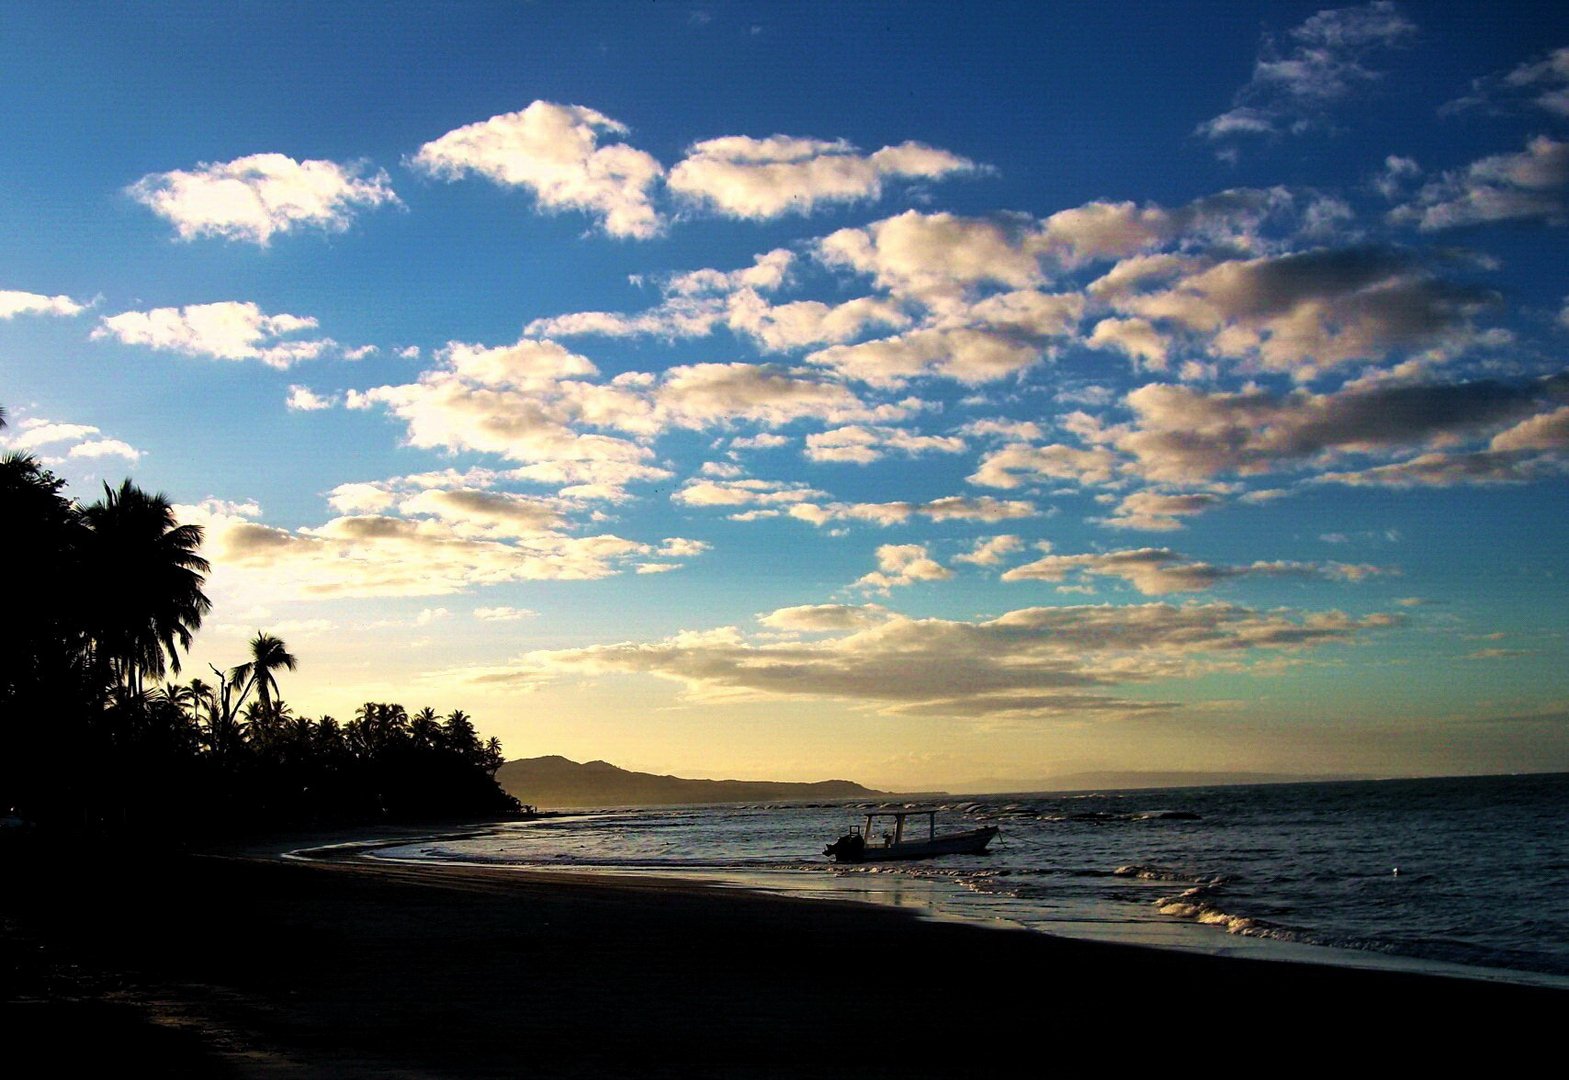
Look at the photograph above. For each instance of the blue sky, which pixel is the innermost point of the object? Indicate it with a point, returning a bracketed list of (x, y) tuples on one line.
[(932, 395)]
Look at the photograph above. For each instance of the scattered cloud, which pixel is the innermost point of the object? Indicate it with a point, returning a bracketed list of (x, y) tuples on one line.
[(1160, 571), (903, 564), (557, 152), (257, 197), (14, 303), (757, 179), (227, 330), (1322, 63), (861, 445), (1033, 662), (1504, 187)]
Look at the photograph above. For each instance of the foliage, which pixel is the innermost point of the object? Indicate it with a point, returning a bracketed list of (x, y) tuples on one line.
[(115, 597)]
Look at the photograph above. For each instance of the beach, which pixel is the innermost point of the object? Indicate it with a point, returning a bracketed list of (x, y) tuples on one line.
[(257, 966)]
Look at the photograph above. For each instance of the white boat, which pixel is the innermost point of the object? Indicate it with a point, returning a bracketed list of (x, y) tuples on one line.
[(896, 842)]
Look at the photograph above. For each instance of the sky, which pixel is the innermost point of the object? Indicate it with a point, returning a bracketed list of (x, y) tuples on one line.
[(936, 396)]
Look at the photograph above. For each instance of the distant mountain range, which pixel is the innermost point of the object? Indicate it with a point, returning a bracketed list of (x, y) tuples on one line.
[(558, 782)]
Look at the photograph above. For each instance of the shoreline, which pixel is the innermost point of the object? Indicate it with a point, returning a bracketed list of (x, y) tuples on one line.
[(1177, 935), (251, 965)]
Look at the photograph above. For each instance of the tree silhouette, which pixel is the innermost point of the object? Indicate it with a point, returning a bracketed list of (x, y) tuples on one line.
[(146, 580), (268, 654)]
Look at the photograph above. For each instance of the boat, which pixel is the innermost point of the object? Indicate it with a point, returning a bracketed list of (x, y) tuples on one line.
[(895, 842)]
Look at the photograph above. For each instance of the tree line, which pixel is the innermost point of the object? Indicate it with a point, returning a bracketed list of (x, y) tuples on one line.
[(98, 733)]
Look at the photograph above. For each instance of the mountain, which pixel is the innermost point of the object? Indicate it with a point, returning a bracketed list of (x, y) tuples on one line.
[(556, 781)]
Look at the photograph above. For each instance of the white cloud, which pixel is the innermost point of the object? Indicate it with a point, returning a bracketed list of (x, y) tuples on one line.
[(99, 448), (227, 330), (903, 564), (862, 445), (555, 151), (1504, 187), (503, 614), (14, 303), (254, 198), (751, 178), (991, 550), (304, 399)]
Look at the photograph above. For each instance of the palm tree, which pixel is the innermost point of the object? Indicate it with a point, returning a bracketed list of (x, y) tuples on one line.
[(148, 578), (268, 654)]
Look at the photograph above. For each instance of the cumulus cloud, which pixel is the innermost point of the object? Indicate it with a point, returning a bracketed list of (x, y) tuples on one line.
[(1504, 187), (991, 550), (304, 399), (558, 153), (14, 302), (538, 403), (257, 197), (1323, 62), (1160, 511), (1018, 464), (227, 330), (965, 355), (430, 543), (758, 179), (1160, 571), (1041, 662), (903, 564), (948, 508), (1181, 435), (1304, 312), (52, 439), (861, 445)]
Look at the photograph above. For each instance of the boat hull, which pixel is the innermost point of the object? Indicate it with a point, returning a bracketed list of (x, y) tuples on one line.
[(966, 843)]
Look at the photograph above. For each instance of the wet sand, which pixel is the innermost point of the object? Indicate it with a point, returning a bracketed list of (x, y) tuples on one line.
[(250, 966)]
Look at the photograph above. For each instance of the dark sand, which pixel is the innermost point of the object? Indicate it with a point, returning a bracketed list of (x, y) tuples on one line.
[(251, 966)]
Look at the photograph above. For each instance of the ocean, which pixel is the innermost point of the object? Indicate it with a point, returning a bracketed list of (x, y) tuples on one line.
[(1466, 876)]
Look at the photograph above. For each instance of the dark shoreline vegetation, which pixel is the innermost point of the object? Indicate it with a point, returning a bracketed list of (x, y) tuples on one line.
[(99, 738)]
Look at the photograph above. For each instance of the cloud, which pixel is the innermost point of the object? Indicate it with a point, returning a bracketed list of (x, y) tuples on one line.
[(430, 543), (699, 302), (1160, 511), (948, 508), (1039, 662), (966, 355), (1161, 571), (304, 399), (36, 434), (1544, 83), (1018, 464), (14, 303), (862, 445), (227, 330), (99, 448), (537, 402), (1181, 435), (903, 564), (1304, 312), (254, 198), (743, 493), (757, 179), (555, 152), (1505, 187), (503, 614), (991, 550), (1293, 88)]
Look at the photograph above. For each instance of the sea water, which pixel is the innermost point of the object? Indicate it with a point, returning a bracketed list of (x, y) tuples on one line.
[(1461, 875)]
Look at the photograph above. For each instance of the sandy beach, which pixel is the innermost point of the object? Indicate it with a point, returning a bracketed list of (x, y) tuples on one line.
[(253, 966)]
